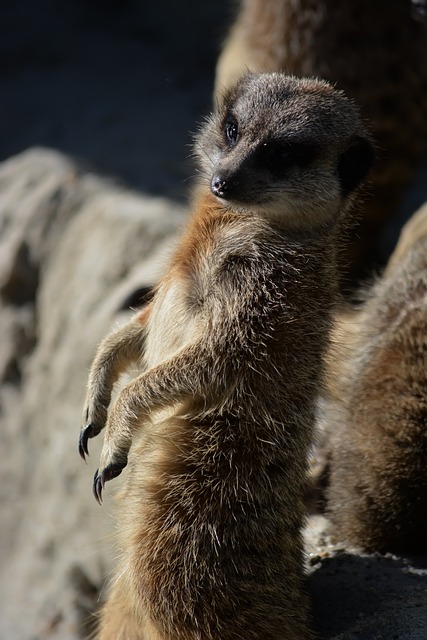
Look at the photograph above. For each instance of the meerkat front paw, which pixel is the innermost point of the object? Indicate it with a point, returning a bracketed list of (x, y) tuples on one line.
[(109, 472), (94, 422), (114, 458), (118, 439)]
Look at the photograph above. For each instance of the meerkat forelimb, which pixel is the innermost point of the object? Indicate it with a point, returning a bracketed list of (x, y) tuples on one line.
[(216, 430), (114, 356)]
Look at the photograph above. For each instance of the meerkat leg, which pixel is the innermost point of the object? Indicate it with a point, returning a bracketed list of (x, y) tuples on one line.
[(185, 374), (118, 620), (114, 355)]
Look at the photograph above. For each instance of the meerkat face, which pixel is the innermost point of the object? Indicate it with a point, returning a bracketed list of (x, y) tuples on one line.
[(284, 147)]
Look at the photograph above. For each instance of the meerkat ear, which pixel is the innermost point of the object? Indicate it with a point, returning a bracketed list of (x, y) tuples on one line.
[(354, 164)]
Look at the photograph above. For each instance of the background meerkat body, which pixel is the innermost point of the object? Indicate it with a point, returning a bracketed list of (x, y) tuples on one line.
[(376, 52), (377, 497), (222, 418)]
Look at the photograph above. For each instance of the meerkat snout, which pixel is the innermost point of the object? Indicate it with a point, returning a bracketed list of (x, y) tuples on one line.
[(219, 186), (280, 146)]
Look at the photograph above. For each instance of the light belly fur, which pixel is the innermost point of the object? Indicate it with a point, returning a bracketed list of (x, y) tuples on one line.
[(172, 325)]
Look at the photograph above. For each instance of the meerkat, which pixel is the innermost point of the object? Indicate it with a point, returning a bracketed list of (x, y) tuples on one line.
[(376, 53), (215, 432), (377, 493)]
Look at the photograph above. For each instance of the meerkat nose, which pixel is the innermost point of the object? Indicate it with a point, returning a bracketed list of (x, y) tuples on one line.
[(219, 186)]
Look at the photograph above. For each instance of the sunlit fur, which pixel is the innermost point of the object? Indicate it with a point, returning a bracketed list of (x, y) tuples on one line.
[(215, 431)]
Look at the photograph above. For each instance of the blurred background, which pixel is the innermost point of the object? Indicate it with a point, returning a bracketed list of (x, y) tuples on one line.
[(116, 84)]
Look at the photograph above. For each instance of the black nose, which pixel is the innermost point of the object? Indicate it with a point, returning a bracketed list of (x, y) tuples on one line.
[(219, 186)]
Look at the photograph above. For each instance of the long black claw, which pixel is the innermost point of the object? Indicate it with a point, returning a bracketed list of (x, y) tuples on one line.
[(111, 471), (97, 487), (90, 431), (83, 450)]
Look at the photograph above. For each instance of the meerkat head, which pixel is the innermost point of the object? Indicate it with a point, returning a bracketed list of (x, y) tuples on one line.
[(286, 148)]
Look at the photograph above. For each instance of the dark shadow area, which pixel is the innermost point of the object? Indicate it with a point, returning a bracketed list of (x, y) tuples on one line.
[(375, 596), (118, 85)]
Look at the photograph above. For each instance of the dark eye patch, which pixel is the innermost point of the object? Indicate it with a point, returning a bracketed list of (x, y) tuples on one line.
[(278, 156)]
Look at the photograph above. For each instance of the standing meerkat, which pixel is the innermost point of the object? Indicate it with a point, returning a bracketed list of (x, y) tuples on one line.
[(377, 494), (376, 53), (232, 344)]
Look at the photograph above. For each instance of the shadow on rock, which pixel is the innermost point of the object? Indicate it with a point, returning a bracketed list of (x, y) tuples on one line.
[(369, 597)]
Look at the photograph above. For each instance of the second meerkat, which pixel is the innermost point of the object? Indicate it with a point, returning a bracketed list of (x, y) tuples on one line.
[(232, 344), (377, 449)]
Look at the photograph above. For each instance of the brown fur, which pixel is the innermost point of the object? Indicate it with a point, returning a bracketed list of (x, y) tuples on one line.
[(222, 418), (374, 51), (377, 498)]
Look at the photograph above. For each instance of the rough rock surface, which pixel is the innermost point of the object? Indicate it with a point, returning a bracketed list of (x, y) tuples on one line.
[(91, 246), (74, 248)]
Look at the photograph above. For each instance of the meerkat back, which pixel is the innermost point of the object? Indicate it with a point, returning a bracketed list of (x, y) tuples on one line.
[(377, 495)]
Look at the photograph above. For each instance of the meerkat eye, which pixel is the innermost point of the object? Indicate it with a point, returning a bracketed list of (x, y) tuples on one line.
[(231, 131)]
